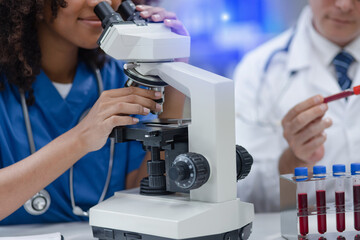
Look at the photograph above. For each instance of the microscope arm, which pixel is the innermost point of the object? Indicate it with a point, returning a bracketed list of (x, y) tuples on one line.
[(211, 132)]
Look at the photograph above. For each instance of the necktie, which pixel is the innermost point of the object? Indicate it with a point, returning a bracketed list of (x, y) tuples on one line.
[(342, 62)]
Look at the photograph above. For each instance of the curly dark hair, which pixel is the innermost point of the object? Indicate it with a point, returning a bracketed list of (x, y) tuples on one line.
[(20, 55)]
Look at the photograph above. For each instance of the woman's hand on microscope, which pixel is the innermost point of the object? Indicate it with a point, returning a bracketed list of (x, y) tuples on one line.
[(303, 129), (158, 14), (112, 109)]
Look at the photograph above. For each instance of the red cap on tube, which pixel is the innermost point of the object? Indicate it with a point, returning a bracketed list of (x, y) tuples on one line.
[(356, 90)]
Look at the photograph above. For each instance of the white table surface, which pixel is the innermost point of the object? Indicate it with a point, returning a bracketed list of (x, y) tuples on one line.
[(265, 227), (70, 231)]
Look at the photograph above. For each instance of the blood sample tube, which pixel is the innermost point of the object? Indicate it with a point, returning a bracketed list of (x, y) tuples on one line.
[(339, 173), (355, 172), (301, 174), (343, 94), (319, 173)]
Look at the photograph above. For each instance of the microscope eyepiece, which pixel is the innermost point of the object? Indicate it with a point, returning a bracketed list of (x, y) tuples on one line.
[(129, 13), (102, 10), (127, 9), (107, 15)]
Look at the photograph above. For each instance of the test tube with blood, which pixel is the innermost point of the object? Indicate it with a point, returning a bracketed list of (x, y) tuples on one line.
[(355, 173), (339, 174), (346, 93), (301, 174), (319, 173)]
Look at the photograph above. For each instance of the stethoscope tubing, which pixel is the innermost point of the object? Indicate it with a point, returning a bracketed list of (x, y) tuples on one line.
[(27, 122), (267, 65), (43, 193)]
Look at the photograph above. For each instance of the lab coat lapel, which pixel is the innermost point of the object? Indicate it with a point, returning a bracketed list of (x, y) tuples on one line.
[(321, 79), (302, 57), (354, 99), (299, 49), (354, 49)]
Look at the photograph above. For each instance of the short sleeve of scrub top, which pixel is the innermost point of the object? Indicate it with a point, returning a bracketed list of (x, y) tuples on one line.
[(51, 116)]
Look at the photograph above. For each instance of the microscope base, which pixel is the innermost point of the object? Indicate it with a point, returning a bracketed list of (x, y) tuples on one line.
[(129, 216), (107, 234)]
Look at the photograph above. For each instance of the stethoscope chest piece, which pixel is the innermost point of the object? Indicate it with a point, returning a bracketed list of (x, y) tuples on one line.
[(39, 203)]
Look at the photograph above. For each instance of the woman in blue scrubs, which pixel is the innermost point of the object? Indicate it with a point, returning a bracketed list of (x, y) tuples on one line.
[(46, 50)]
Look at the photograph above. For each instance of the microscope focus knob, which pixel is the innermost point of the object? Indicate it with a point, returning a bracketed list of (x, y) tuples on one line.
[(244, 162), (189, 170)]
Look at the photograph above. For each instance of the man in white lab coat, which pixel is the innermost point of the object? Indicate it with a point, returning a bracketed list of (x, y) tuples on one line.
[(280, 87)]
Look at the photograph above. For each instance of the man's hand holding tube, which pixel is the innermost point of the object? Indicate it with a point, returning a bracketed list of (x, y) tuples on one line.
[(303, 129)]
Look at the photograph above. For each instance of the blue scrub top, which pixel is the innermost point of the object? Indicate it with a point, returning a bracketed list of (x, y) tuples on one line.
[(51, 116)]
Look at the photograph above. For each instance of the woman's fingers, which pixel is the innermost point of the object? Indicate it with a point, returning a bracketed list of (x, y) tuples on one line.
[(115, 121), (120, 92), (158, 14), (124, 108), (176, 26)]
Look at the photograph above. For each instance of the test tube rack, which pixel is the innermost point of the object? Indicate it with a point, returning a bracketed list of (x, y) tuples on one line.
[(290, 212)]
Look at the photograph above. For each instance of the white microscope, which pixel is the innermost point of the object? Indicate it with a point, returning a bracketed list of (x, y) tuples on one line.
[(192, 194)]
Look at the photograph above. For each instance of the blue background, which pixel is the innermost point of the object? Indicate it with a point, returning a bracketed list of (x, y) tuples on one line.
[(222, 31)]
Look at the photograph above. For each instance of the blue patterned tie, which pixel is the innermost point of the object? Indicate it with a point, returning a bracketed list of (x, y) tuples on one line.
[(342, 62)]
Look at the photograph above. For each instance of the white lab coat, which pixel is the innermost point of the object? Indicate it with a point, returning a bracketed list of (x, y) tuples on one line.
[(259, 112)]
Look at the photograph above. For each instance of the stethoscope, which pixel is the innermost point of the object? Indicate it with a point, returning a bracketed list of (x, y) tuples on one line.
[(40, 202), (271, 123)]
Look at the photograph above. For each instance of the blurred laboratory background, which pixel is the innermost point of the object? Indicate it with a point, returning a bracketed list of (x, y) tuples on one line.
[(222, 31)]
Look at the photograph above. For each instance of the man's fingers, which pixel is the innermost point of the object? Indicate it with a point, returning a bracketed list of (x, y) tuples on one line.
[(301, 107), (314, 129), (315, 143), (306, 151), (306, 117)]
